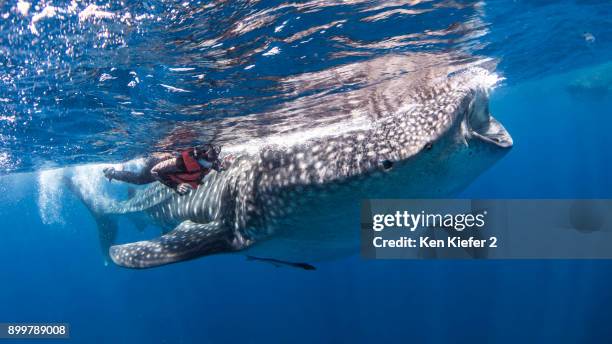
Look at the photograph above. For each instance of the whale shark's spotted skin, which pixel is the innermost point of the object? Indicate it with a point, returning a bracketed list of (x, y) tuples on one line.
[(428, 139)]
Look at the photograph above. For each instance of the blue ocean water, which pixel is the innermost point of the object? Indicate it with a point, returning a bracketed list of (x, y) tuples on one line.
[(90, 84)]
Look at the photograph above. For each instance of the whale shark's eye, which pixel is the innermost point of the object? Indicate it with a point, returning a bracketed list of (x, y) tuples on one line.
[(429, 146), (386, 164)]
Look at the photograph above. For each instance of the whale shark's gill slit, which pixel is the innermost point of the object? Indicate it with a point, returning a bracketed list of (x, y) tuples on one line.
[(386, 165)]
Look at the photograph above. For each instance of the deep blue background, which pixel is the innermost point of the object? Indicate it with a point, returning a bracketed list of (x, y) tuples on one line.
[(54, 273)]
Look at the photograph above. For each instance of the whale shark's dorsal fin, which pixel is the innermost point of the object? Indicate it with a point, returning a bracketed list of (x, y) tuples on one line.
[(188, 240)]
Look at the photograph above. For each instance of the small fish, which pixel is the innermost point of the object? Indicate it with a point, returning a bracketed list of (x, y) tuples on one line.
[(279, 263)]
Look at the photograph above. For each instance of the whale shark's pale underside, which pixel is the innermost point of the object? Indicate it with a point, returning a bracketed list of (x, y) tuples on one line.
[(422, 131)]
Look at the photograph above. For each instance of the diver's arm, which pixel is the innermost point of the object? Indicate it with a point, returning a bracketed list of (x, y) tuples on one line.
[(168, 182), (162, 170)]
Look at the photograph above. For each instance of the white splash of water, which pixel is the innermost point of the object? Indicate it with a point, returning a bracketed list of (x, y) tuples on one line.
[(174, 89), (181, 69), (50, 191), (485, 79), (47, 12), (273, 51), (92, 186), (87, 179), (23, 7), (5, 160), (479, 77), (94, 11)]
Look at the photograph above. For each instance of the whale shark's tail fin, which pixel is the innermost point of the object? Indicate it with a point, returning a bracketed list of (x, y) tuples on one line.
[(106, 224), (187, 241), (107, 233)]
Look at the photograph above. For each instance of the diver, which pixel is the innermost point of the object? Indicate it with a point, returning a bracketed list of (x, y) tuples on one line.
[(181, 172)]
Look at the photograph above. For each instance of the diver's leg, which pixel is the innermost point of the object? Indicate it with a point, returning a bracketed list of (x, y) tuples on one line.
[(131, 177), (141, 177)]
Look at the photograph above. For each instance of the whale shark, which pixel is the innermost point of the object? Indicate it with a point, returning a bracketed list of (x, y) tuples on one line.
[(423, 132)]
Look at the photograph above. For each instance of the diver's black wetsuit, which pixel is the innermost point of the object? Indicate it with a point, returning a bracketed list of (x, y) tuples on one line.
[(144, 176), (158, 167)]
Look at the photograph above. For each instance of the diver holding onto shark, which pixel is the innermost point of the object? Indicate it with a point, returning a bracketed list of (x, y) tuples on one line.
[(277, 200), (181, 172)]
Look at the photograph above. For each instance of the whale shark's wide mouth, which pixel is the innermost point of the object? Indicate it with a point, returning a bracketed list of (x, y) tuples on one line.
[(495, 133), (482, 125)]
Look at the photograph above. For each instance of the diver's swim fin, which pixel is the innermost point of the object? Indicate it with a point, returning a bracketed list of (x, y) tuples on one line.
[(187, 241)]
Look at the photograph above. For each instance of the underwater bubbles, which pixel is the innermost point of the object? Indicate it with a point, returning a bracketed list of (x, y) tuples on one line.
[(50, 191)]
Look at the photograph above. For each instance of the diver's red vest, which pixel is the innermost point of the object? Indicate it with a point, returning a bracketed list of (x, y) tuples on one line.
[(195, 172)]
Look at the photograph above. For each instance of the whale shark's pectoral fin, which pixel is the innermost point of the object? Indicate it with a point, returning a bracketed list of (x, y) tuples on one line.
[(188, 240)]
